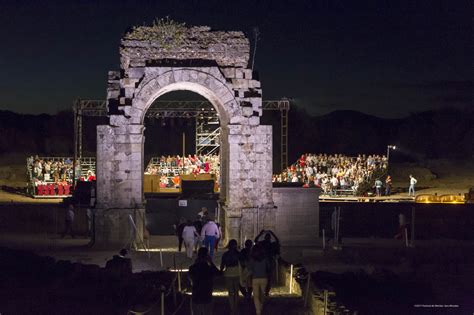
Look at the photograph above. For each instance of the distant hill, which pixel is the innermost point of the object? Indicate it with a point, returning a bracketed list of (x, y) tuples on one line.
[(445, 133)]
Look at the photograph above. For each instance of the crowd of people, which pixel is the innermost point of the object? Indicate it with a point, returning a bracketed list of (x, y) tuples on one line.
[(171, 167), (55, 170), (332, 172), (50, 170), (54, 176), (248, 271)]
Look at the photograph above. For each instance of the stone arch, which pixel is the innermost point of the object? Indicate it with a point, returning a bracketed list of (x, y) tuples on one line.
[(214, 65), (200, 81)]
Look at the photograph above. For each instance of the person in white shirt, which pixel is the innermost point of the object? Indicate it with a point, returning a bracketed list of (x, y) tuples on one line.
[(189, 236), (209, 233), (411, 189)]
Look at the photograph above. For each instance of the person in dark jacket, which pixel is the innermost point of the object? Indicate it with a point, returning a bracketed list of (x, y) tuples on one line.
[(202, 274), (260, 269), (69, 221), (198, 225), (272, 251), (120, 266), (179, 232), (245, 278), (230, 268)]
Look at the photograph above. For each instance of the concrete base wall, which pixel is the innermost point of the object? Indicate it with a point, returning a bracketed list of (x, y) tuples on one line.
[(297, 215), (256, 219), (115, 229)]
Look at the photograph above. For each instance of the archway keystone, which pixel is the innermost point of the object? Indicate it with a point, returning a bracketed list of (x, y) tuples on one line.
[(214, 65)]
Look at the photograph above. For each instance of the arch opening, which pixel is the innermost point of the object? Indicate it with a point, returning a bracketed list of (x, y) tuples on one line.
[(187, 165)]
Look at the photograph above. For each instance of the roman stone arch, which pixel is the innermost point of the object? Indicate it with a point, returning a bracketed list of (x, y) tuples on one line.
[(214, 65)]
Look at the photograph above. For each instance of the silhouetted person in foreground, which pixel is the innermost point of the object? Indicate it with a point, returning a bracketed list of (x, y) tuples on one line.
[(245, 277), (179, 232), (230, 268), (202, 274), (260, 269), (69, 221), (120, 265), (272, 251)]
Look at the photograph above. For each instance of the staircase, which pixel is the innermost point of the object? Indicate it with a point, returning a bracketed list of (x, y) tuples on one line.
[(207, 137), (280, 301)]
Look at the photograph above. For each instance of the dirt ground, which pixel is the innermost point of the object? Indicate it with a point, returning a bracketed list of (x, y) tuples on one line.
[(438, 176)]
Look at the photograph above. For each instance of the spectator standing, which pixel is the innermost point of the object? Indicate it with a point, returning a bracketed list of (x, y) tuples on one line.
[(388, 185), (411, 189), (198, 225), (402, 225), (378, 187), (69, 221), (203, 214), (89, 217), (202, 274), (209, 233), (245, 278), (230, 268), (179, 232), (272, 250), (216, 245), (259, 268), (189, 236)]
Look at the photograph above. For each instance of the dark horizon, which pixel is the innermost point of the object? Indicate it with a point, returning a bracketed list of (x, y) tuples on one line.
[(379, 58)]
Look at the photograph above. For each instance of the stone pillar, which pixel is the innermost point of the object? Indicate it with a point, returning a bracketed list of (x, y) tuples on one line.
[(119, 185), (249, 204)]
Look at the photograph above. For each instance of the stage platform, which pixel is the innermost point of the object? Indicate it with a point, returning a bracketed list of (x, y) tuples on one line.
[(394, 198)]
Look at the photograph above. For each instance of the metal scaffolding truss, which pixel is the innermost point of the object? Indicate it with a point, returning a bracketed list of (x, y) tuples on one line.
[(175, 109)]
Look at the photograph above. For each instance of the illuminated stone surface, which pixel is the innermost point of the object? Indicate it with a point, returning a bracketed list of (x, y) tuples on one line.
[(214, 65)]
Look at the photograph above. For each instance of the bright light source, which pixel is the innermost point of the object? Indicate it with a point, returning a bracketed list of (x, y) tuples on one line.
[(178, 270)]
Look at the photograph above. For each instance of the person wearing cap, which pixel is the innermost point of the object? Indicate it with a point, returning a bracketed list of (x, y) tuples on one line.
[(230, 268)]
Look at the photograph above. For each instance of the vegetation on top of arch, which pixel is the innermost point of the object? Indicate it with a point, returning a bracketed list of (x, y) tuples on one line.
[(165, 31)]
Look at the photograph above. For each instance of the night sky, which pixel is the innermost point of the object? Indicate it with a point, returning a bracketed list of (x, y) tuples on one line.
[(381, 57)]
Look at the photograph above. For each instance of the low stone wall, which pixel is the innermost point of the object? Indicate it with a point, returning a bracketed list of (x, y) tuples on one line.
[(380, 220), (39, 218)]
